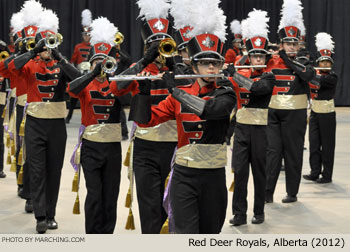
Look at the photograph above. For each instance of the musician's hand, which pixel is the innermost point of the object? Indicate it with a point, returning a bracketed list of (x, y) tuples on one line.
[(169, 78), (144, 85), (170, 63), (39, 47), (98, 68), (282, 53), (230, 70), (151, 54), (56, 55)]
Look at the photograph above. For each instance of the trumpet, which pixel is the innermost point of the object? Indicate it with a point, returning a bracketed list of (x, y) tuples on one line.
[(4, 55), (53, 40), (159, 77), (119, 38), (109, 65), (167, 47), (30, 44)]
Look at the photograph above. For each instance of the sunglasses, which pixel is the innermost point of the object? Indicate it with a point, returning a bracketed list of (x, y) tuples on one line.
[(209, 62)]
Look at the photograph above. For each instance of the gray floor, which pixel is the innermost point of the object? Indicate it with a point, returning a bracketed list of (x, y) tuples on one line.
[(320, 208)]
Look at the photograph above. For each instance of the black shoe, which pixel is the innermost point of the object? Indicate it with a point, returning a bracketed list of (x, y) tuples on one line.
[(29, 206), (323, 180), (238, 219), (268, 198), (67, 120), (289, 199), (310, 177), (20, 192), (258, 219), (52, 224), (41, 226), (2, 174)]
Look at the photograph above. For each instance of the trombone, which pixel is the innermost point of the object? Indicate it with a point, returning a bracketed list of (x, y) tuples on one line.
[(109, 65), (4, 55), (119, 38), (159, 77), (30, 44), (53, 40)]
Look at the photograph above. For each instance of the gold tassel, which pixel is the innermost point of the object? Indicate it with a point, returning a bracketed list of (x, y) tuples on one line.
[(128, 199), (75, 186), (20, 177), (13, 165), (127, 157), (13, 148), (3, 113), (8, 161), (76, 208), (20, 155), (232, 186), (21, 128), (130, 224), (165, 227), (8, 140), (166, 181)]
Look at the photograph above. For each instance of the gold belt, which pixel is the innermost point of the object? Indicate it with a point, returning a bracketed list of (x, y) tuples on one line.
[(322, 106), (164, 132), (202, 156), (254, 116), (288, 101), (2, 98), (103, 133), (47, 110), (21, 100), (13, 93)]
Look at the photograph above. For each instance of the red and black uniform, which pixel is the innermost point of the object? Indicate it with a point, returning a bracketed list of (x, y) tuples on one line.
[(3, 83), (322, 125), (100, 151), (287, 121), (152, 154), (81, 53), (198, 193), (250, 141), (45, 130), (231, 54)]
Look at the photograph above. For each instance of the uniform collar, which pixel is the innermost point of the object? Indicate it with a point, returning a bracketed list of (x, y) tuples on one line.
[(204, 90)]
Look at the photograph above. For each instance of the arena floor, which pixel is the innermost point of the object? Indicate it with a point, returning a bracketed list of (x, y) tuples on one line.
[(321, 208)]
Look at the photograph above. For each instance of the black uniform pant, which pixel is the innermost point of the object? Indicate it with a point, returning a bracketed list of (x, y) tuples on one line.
[(2, 146), (45, 144), (285, 138), (125, 131), (322, 143), (101, 164), (151, 164), (198, 200), (249, 148)]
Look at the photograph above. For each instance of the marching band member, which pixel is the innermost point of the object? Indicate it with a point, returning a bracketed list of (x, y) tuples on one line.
[(322, 125), (45, 132), (287, 108), (253, 89), (101, 133), (232, 53), (198, 193)]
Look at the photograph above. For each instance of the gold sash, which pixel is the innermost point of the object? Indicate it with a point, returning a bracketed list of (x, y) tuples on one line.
[(2, 98), (13, 93), (322, 106), (202, 156), (288, 102), (253, 116), (103, 133), (47, 110), (164, 132), (21, 100)]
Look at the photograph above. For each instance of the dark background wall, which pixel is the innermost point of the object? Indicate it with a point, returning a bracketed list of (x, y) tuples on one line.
[(331, 16)]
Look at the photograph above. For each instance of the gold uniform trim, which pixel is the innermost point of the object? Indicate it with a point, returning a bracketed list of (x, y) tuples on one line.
[(13, 93), (47, 110), (288, 102), (322, 106), (103, 133), (164, 132), (202, 156), (21, 100), (2, 98), (254, 116)]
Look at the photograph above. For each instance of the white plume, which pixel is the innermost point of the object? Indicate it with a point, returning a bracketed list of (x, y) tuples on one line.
[(244, 28), (208, 17), (32, 11), (86, 17), (324, 41), (49, 21), (256, 24), (181, 11), (292, 14), (150, 9), (103, 31), (235, 27), (302, 29), (17, 22)]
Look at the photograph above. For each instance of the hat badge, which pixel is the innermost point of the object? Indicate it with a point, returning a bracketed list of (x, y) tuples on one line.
[(185, 34), (30, 31), (291, 31), (258, 42), (102, 48), (159, 25), (208, 42)]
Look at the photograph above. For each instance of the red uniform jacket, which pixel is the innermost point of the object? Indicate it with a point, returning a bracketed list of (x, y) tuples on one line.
[(81, 53), (231, 54)]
